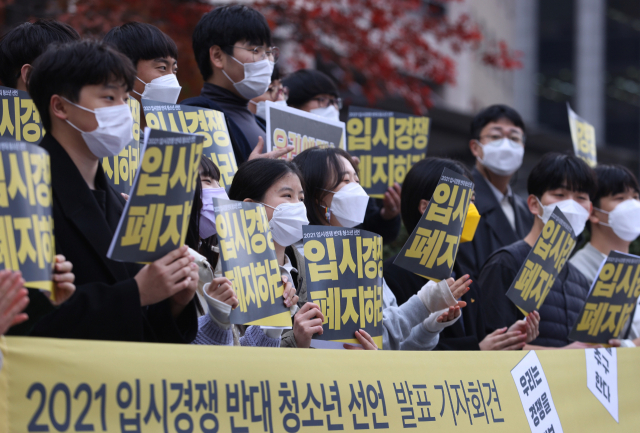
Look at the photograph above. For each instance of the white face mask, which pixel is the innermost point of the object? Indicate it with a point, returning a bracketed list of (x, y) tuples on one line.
[(330, 112), (207, 225), (114, 131), (164, 89), (349, 205), (576, 214), (287, 221), (624, 220), (502, 157), (257, 77), (261, 107)]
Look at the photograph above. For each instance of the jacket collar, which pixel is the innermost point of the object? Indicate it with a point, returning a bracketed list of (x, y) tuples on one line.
[(489, 208)]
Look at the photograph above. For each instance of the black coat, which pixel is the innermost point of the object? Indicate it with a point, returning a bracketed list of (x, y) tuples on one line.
[(494, 230), (466, 333), (106, 304)]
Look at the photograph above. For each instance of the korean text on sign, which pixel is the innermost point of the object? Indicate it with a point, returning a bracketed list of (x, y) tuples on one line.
[(344, 277), (583, 135), (121, 168), (249, 260), (156, 217), (431, 249), (19, 118), (543, 264), (602, 377), (388, 144), (611, 301), (210, 124), (26, 224)]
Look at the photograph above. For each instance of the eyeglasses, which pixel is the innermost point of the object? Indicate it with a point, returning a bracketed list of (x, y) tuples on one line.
[(275, 92), (325, 102), (261, 53), (515, 137)]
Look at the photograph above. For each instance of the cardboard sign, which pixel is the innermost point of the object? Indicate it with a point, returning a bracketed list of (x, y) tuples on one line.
[(535, 395), (344, 278), (287, 126), (121, 169), (543, 264), (26, 224), (431, 249), (19, 117), (583, 135), (388, 144), (211, 124), (248, 259), (155, 219), (611, 300)]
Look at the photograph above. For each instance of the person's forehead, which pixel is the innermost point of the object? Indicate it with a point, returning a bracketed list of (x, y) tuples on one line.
[(502, 124)]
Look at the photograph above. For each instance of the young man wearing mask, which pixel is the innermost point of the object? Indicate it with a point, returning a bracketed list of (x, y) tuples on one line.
[(558, 180), (81, 91), (276, 93), (155, 57), (234, 53), (497, 142), (614, 224)]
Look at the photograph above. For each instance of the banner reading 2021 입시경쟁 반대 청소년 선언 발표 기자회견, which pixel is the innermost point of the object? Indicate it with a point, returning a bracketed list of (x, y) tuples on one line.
[(155, 219)]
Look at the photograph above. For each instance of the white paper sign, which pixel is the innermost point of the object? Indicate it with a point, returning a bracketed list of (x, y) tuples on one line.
[(535, 395), (602, 377)]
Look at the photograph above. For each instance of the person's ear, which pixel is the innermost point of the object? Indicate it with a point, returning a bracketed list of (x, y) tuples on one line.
[(534, 205), (58, 108), (24, 73), (593, 219), (216, 56), (423, 206), (475, 148)]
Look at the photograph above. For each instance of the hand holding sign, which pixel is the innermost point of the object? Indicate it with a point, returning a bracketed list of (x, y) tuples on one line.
[(274, 154), (13, 299)]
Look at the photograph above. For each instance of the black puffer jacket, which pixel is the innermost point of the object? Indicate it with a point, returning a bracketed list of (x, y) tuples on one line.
[(559, 311)]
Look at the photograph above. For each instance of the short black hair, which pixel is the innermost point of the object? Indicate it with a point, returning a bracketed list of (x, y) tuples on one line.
[(141, 41), (254, 178), (557, 170), (224, 26), (306, 84), (612, 180), (65, 69), (420, 183), (23, 44), (317, 165), (493, 114)]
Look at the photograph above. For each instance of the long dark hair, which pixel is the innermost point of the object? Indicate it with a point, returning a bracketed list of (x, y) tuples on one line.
[(254, 178), (317, 166)]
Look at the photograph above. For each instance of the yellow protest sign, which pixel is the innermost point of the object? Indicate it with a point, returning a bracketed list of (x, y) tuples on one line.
[(583, 135), (388, 144), (19, 117), (69, 385), (155, 219), (121, 168), (26, 224)]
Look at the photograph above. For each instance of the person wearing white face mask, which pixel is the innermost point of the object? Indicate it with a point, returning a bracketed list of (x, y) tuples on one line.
[(562, 181), (233, 50), (334, 197), (81, 92), (614, 223), (315, 92), (276, 93), (498, 144)]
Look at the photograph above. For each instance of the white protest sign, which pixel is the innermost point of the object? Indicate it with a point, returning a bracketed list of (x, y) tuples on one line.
[(535, 395), (602, 377)]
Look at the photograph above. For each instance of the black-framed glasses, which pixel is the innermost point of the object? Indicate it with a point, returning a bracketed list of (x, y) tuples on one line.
[(516, 138), (261, 53), (325, 102)]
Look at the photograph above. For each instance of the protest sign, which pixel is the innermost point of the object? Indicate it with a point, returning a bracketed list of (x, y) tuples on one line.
[(602, 377), (210, 124), (26, 224), (431, 249), (543, 264), (583, 135), (155, 219), (611, 300), (288, 126), (19, 117), (248, 259), (344, 278), (388, 144), (121, 168)]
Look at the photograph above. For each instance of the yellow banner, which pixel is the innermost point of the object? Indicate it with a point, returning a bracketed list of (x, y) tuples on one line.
[(70, 385)]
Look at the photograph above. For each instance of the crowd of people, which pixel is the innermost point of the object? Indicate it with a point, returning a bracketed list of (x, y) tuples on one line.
[(81, 88)]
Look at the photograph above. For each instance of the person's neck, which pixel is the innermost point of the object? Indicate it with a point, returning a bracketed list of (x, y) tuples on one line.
[(279, 253), (221, 80), (533, 235), (21, 85), (501, 183), (73, 143), (607, 242)]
